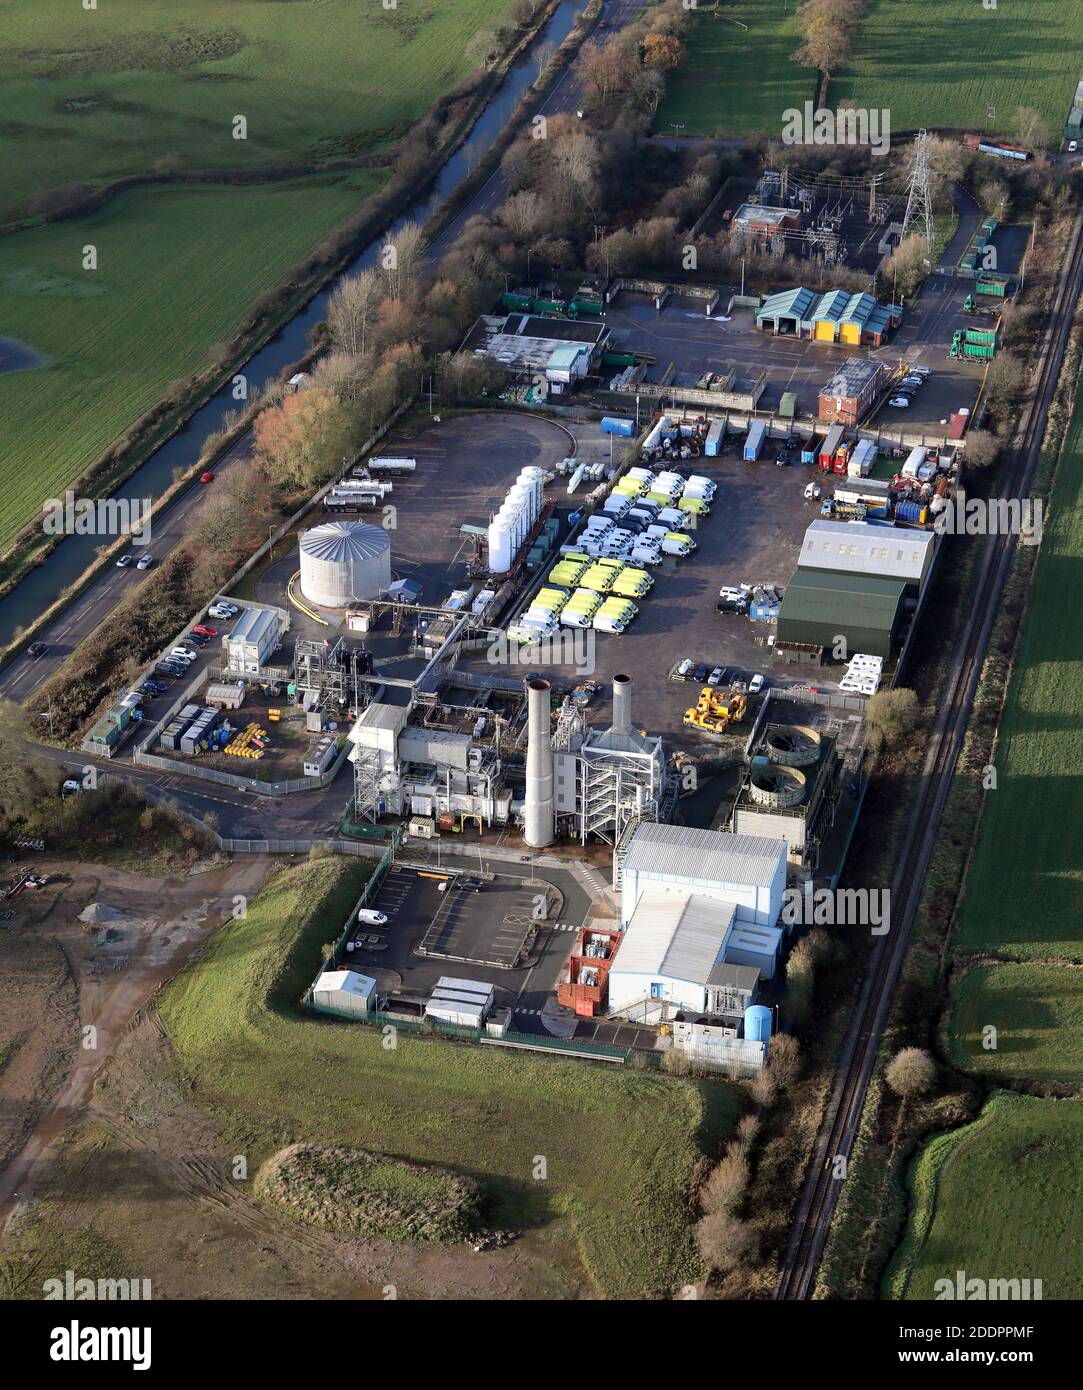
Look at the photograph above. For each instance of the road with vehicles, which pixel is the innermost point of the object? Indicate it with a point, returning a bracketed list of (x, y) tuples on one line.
[(857, 1059), (24, 674)]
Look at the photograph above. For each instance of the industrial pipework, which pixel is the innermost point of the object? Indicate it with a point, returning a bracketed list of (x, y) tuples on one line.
[(622, 704)]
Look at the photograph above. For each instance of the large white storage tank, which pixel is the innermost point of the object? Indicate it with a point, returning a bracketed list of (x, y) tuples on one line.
[(534, 478), (342, 561), (522, 497), (501, 552)]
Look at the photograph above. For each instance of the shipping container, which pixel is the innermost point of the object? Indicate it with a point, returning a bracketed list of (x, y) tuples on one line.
[(996, 286), (612, 424), (754, 443), (810, 449), (958, 423), (787, 406), (830, 447), (980, 335), (714, 439)]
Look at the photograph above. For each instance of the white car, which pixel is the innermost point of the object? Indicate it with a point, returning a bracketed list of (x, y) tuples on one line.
[(755, 685), (900, 402), (145, 561), (223, 610), (125, 561), (716, 675), (369, 917), (922, 372), (1073, 145), (182, 654)]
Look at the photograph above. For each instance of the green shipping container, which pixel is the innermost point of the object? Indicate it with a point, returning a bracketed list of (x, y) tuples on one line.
[(981, 335), (994, 285), (787, 406)]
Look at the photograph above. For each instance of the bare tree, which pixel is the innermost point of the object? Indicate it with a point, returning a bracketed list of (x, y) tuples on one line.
[(351, 310), (724, 1241)]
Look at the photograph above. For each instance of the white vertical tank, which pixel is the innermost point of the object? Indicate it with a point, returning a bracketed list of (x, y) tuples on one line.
[(500, 546), (521, 497)]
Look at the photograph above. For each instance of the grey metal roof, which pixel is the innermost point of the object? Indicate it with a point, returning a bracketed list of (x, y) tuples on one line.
[(726, 976), (345, 540), (252, 624), (679, 935), (857, 547), (709, 855)]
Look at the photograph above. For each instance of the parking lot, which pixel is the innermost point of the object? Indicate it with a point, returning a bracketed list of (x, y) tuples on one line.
[(695, 343), (753, 535), (491, 935)]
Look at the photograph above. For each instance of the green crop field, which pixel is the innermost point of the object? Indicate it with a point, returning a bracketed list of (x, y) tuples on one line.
[(619, 1146), (738, 80), (947, 64), (1024, 896), (1037, 1011), (178, 270), (999, 1199), (89, 95)]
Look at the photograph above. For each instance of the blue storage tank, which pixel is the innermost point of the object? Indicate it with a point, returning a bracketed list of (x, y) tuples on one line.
[(758, 1023), (909, 511), (613, 425)]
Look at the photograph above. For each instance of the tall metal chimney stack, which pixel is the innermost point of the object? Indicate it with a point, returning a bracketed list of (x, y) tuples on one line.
[(540, 828), (622, 704)]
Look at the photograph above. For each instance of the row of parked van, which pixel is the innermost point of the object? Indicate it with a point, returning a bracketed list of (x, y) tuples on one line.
[(583, 593)]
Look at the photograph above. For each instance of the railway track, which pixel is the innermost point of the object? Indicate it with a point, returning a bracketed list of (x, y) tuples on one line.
[(857, 1058)]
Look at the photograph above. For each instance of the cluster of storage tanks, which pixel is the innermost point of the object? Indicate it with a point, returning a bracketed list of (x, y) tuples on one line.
[(515, 520)]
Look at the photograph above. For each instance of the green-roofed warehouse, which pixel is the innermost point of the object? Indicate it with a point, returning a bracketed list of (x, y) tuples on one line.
[(865, 609)]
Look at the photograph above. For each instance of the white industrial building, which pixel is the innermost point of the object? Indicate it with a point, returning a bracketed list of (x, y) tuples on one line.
[(255, 637), (856, 547), (346, 992), (745, 871), (465, 1003), (689, 953)]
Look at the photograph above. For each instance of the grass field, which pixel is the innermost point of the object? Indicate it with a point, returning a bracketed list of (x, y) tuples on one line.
[(946, 64), (1037, 1011), (178, 269), (738, 80), (89, 95), (1024, 896), (619, 1146), (999, 1199)]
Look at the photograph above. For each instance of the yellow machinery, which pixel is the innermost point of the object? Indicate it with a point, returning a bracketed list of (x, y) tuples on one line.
[(274, 715), (715, 710)]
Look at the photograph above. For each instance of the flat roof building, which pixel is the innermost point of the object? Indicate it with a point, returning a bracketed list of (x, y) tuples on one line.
[(850, 393)]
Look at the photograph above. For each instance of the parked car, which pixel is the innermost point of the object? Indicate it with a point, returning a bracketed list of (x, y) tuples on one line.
[(153, 688), (125, 560), (198, 639), (468, 885), (170, 668), (36, 649), (700, 674), (923, 372), (369, 917), (223, 610), (1073, 145), (756, 684), (71, 786), (783, 458), (184, 653), (899, 402), (206, 477), (913, 381), (201, 630), (716, 675)]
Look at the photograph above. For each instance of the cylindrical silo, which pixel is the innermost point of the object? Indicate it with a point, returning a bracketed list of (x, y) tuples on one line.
[(522, 496), (342, 561), (534, 479), (757, 1023), (509, 519), (500, 548)]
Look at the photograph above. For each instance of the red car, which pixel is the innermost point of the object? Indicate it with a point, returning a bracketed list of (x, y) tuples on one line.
[(201, 631), (206, 477)]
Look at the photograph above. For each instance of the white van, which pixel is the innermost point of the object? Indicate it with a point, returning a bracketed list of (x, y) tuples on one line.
[(369, 917)]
